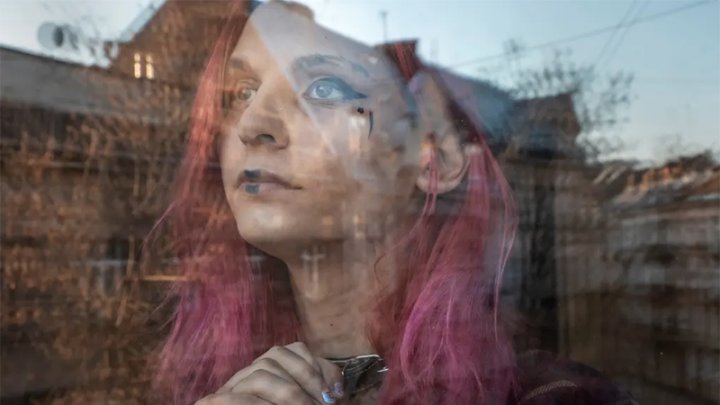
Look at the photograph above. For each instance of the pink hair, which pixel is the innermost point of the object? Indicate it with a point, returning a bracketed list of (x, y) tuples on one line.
[(438, 332)]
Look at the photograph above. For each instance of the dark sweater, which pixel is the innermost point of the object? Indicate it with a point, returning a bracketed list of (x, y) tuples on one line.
[(545, 379)]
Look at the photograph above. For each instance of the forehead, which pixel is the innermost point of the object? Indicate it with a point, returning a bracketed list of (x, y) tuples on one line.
[(279, 36)]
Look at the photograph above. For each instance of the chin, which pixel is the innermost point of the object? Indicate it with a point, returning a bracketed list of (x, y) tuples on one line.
[(265, 228)]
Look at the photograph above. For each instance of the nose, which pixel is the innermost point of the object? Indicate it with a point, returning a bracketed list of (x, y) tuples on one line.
[(262, 123), (258, 137)]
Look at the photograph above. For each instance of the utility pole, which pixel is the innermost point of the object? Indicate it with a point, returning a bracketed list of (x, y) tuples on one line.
[(383, 17), (434, 50)]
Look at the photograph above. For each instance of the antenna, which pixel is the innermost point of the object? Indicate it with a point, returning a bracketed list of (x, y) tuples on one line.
[(383, 17), (434, 50)]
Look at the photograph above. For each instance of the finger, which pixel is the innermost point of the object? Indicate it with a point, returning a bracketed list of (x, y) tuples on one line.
[(271, 365), (333, 376), (236, 378), (272, 388), (331, 373), (327, 393), (257, 364), (251, 400), (307, 376), (233, 399), (302, 350)]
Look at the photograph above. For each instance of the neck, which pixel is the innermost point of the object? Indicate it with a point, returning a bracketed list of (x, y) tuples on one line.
[(336, 285)]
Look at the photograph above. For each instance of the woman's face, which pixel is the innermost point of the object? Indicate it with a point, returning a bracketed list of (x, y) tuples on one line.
[(319, 141)]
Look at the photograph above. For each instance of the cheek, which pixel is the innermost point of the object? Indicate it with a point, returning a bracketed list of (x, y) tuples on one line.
[(231, 153), (333, 144), (356, 158), (343, 131)]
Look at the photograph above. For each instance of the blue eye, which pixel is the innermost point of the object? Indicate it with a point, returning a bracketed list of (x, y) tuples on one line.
[(331, 89)]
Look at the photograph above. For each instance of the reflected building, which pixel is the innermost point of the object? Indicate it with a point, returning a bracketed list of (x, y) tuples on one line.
[(546, 170), (88, 155), (614, 266), (663, 231)]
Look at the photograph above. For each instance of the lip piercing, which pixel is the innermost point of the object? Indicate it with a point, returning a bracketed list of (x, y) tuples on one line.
[(251, 174)]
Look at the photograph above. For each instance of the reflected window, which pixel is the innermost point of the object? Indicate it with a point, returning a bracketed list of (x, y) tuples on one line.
[(149, 68), (143, 66), (137, 67)]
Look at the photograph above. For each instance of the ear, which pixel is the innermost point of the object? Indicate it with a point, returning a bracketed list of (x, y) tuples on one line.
[(451, 162), (443, 142)]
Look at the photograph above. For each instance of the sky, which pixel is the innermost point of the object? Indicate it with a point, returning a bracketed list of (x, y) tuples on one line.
[(671, 47)]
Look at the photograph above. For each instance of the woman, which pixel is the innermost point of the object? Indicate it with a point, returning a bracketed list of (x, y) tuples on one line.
[(341, 225)]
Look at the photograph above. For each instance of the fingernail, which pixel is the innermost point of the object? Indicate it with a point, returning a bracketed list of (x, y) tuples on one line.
[(338, 389), (327, 397)]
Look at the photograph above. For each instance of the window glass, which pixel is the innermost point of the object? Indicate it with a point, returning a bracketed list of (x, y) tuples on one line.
[(354, 202)]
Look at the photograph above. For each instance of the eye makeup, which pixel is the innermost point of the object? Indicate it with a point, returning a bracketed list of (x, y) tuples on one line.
[(370, 120), (330, 80), (361, 110), (330, 89), (314, 61)]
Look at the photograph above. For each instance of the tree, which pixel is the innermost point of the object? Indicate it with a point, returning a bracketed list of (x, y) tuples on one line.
[(599, 98)]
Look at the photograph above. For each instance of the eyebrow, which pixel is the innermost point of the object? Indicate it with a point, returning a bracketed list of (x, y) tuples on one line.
[(305, 62), (240, 64), (316, 59)]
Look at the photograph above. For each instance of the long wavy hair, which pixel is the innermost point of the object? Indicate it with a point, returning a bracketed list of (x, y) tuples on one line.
[(438, 332)]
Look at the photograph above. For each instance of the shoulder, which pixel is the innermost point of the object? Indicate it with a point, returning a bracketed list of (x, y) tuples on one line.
[(545, 379)]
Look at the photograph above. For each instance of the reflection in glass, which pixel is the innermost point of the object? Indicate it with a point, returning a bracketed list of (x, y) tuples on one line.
[(615, 263)]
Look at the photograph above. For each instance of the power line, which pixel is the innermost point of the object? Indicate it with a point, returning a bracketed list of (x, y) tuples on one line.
[(587, 34), (618, 27), (632, 15), (610, 55)]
